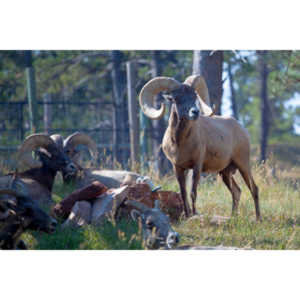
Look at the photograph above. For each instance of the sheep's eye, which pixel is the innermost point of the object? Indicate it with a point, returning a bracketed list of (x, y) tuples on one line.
[(150, 224), (168, 97)]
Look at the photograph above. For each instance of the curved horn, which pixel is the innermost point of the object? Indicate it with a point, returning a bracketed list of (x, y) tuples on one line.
[(78, 138), (151, 89), (138, 205), (31, 143), (197, 82)]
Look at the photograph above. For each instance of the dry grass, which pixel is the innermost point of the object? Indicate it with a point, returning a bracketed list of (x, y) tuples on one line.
[(280, 208), (279, 190), (280, 229)]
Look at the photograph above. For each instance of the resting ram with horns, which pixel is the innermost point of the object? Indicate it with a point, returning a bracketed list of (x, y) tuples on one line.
[(84, 176), (196, 139), (18, 213), (40, 174)]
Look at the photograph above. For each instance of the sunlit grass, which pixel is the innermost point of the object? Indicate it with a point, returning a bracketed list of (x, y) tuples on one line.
[(279, 191), (280, 209), (280, 228)]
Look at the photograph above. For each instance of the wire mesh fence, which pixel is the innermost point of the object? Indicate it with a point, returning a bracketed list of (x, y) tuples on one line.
[(66, 117), (60, 117)]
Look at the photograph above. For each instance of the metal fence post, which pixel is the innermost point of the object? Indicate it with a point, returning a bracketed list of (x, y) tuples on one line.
[(31, 92), (47, 113)]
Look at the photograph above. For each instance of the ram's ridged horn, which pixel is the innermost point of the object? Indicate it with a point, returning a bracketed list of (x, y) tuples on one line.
[(79, 138), (138, 205), (31, 143), (150, 90), (197, 82)]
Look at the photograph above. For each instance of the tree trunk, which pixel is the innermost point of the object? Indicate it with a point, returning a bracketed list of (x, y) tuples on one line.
[(21, 121), (209, 64), (143, 140), (47, 113), (264, 107), (31, 91), (232, 92), (133, 114), (159, 126), (118, 116)]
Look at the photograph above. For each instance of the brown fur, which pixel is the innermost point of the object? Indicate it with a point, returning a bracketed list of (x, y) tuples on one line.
[(170, 202), (209, 144)]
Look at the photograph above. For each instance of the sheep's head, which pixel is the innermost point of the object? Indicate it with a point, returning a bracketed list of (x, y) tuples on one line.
[(156, 229), (70, 148), (49, 151), (19, 208), (190, 98)]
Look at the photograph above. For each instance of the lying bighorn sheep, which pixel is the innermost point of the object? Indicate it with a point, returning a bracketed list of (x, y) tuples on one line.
[(84, 176), (18, 213), (197, 140), (95, 203), (156, 229), (39, 178)]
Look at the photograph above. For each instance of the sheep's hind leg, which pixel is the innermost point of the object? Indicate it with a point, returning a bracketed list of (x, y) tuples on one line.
[(233, 188), (181, 178), (246, 174), (196, 178)]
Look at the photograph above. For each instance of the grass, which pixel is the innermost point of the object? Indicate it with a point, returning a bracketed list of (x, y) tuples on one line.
[(280, 209), (108, 236), (280, 228)]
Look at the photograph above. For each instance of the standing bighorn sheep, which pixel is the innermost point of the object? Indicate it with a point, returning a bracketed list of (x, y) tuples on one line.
[(197, 140), (39, 178)]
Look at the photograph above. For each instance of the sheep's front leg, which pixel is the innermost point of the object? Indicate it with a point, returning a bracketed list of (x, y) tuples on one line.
[(196, 178), (181, 178)]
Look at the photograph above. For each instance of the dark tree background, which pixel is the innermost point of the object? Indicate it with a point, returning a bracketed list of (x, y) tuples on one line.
[(87, 91)]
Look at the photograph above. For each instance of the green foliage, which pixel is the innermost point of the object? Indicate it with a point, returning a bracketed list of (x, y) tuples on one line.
[(283, 85), (78, 76)]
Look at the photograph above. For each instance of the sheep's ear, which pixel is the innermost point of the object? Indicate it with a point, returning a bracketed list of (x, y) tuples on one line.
[(135, 214), (157, 204)]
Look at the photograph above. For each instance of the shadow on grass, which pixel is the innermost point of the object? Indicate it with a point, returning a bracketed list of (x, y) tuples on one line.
[(123, 236)]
